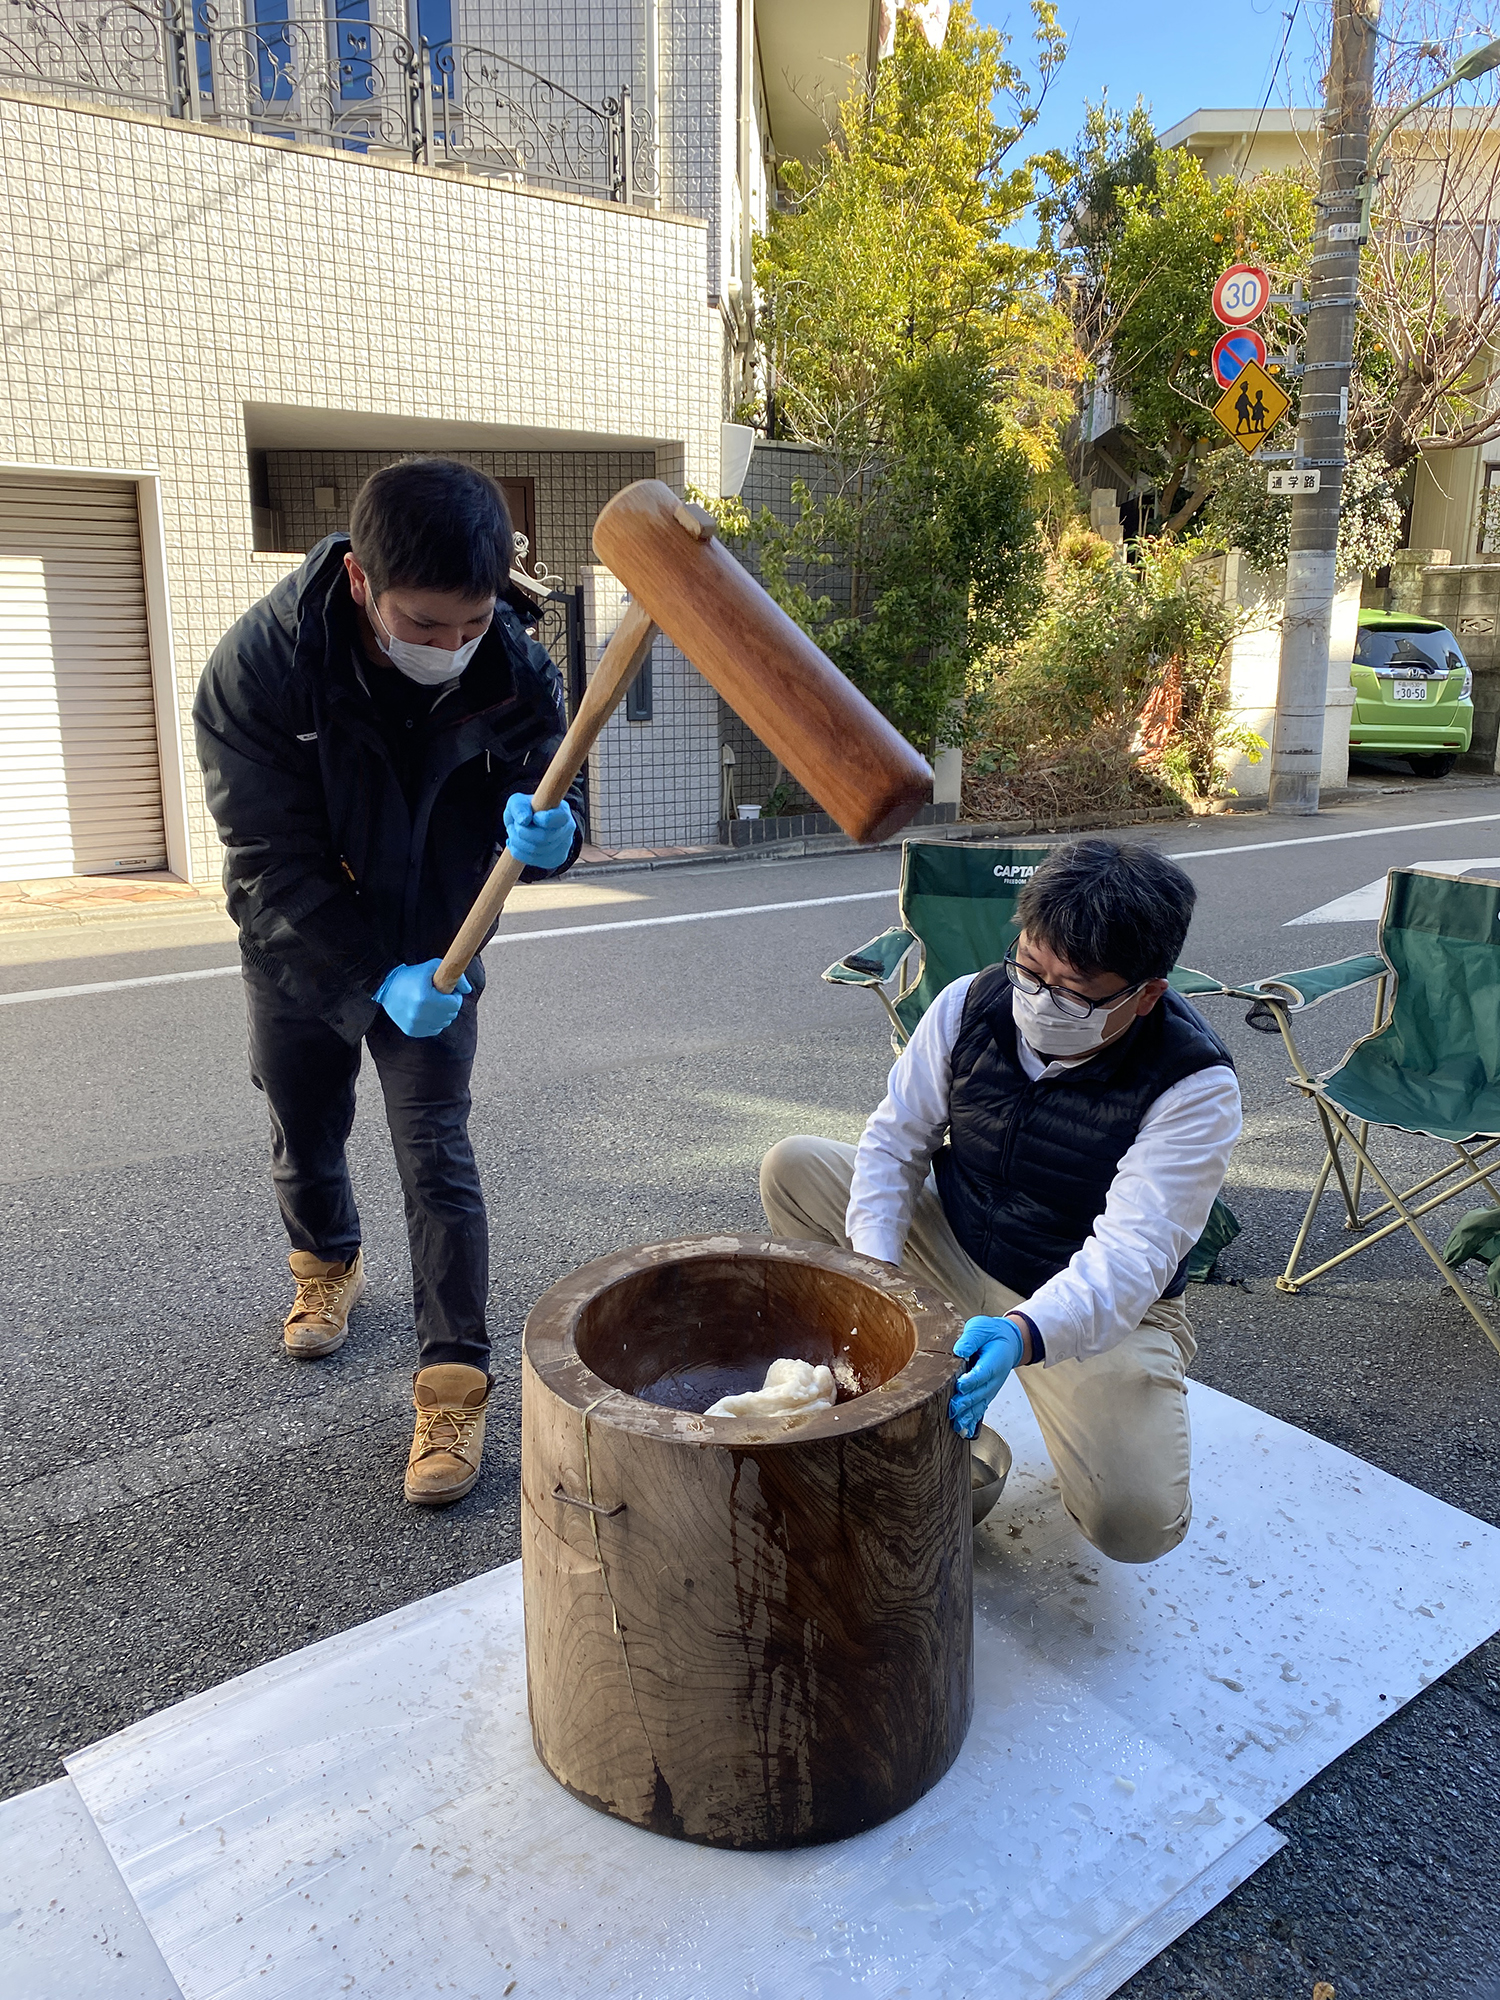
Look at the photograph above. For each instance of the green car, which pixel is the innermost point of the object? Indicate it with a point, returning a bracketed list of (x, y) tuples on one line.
[(1401, 663)]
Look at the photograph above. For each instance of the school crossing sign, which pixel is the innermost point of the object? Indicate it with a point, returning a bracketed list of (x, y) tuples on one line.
[(1251, 407)]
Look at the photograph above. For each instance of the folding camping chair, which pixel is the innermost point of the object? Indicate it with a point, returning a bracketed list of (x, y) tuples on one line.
[(1430, 1064), (958, 914)]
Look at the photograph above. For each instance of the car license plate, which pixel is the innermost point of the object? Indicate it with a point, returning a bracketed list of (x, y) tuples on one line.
[(1409, 690)]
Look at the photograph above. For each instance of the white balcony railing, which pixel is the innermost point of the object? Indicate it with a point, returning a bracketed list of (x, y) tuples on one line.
[(338, 81)]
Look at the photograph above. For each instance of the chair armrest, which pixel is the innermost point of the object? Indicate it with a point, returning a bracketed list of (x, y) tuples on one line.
[(1183, 979), (1297, 991), (874, 963)]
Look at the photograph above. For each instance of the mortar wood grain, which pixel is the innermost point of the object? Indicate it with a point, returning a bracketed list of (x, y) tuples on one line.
[(762, 1639)]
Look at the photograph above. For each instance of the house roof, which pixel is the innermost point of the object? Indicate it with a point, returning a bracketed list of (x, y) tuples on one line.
[(1207, 128)]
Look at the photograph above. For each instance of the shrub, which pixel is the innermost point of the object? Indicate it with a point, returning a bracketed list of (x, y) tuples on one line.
[(1119, 696)]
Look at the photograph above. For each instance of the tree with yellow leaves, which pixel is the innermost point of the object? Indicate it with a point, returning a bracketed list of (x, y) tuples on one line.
[(921, 351), (893, 246)]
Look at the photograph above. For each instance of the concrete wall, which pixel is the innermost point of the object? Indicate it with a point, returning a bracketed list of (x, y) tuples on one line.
[(1466, 596), (1445, 500), (1254, 664), (168, 289)]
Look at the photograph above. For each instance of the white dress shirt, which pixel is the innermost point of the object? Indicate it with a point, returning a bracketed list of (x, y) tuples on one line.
[(1157, 1206)]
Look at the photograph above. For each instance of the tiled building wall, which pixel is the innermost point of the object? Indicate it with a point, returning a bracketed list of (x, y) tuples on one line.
[(592, 47), (656, 783), (694, 139), (570, 489), (157, 279)]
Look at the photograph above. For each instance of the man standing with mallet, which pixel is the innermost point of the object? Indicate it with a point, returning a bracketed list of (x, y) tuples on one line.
[(370, 736), (1049, 1147)]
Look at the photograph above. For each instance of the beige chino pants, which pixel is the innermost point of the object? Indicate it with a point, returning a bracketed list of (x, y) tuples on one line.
[(1115, 1424)]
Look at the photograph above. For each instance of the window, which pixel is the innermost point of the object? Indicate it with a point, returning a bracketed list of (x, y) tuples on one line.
[(640, 702), (1489, 513)]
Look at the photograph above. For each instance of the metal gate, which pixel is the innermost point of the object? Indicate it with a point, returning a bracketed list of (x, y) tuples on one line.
[(559, 626)]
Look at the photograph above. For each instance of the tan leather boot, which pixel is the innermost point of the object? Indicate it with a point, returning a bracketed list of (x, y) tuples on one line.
[(319, 1319), (446, 1451)]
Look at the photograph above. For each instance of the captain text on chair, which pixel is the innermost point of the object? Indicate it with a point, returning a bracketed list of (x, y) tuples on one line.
[(1046, 1155)]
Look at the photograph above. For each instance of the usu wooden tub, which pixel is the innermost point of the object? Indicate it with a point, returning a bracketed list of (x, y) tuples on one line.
[(749, 1636)]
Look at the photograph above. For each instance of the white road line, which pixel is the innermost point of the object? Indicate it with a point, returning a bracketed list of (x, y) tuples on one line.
[(1367, 904), (505, 937), (114, 985), (696, 916), (1315, 839), (749, 909)]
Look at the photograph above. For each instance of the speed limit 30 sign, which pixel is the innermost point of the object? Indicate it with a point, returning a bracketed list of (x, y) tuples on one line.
[(1241, 295)]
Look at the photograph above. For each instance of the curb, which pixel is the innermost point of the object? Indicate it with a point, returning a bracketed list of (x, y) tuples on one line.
[(803, 847), (806, 846), (31, 918)]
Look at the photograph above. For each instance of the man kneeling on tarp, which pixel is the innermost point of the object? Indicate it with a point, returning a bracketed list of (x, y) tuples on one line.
[(1046, 1156)]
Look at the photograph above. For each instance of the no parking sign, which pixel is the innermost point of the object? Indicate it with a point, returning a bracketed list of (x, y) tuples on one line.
[(1232, 351)]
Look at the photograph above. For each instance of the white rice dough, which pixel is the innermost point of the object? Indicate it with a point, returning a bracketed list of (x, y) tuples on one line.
[(792, 1389)]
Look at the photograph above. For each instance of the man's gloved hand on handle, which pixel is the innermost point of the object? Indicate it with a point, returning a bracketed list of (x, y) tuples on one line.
[(540, 839), (992, 1347), (414, 1003)]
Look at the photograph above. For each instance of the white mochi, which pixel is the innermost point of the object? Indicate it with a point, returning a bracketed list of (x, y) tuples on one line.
[(792, 1389)]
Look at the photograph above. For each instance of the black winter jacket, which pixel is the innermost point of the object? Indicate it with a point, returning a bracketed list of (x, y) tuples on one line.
[(331, 877), (1028, 1165)]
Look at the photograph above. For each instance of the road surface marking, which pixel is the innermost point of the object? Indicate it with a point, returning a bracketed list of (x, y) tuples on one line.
[(1315, 839), (505, 937), (1367, 905), (115, 985), (744, 909)]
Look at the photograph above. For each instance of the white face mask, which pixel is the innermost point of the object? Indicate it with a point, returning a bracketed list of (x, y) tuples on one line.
[(428, 666), (1053, 1034)]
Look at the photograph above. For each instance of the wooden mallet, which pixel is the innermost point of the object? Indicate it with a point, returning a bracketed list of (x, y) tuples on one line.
[(685, 583)]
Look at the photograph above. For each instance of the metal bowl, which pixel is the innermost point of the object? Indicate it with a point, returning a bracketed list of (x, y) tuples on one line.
[(989, 1465)]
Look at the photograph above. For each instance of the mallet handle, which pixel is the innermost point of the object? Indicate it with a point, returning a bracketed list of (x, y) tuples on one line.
[(620, 663)]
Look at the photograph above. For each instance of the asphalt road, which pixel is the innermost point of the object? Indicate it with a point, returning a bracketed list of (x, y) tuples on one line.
[(180, 1502)]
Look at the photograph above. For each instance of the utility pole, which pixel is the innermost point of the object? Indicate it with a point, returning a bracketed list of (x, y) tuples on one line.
[(1302, 685)]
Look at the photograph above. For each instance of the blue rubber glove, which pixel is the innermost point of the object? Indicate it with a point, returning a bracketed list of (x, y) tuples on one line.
[(994, 1347), (540, 839), (414, 1003)]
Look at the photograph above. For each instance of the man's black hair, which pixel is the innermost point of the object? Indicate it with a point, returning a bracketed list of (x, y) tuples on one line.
[(1105, 907), (433, 524)]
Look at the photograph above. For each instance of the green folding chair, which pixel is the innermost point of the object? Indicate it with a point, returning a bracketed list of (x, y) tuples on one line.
[(958, 913), (1430, 1064), (957, 905)]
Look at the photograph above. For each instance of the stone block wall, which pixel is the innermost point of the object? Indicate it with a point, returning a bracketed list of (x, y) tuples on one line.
[(774, 470), (1466, 596)]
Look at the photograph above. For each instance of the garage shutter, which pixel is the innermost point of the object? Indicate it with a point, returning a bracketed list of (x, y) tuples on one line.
[(80, 779)]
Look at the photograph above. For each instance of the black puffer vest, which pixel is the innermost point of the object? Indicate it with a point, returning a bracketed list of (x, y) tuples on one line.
[(1028, 1166)]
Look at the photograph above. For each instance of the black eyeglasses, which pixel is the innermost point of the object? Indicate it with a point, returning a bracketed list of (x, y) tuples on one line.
[(1074, 1006)]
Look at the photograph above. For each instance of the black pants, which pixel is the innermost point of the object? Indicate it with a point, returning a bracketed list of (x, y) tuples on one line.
[(307, 1073)]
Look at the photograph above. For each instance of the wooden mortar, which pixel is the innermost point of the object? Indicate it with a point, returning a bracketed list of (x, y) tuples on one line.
[(749, 1636)]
